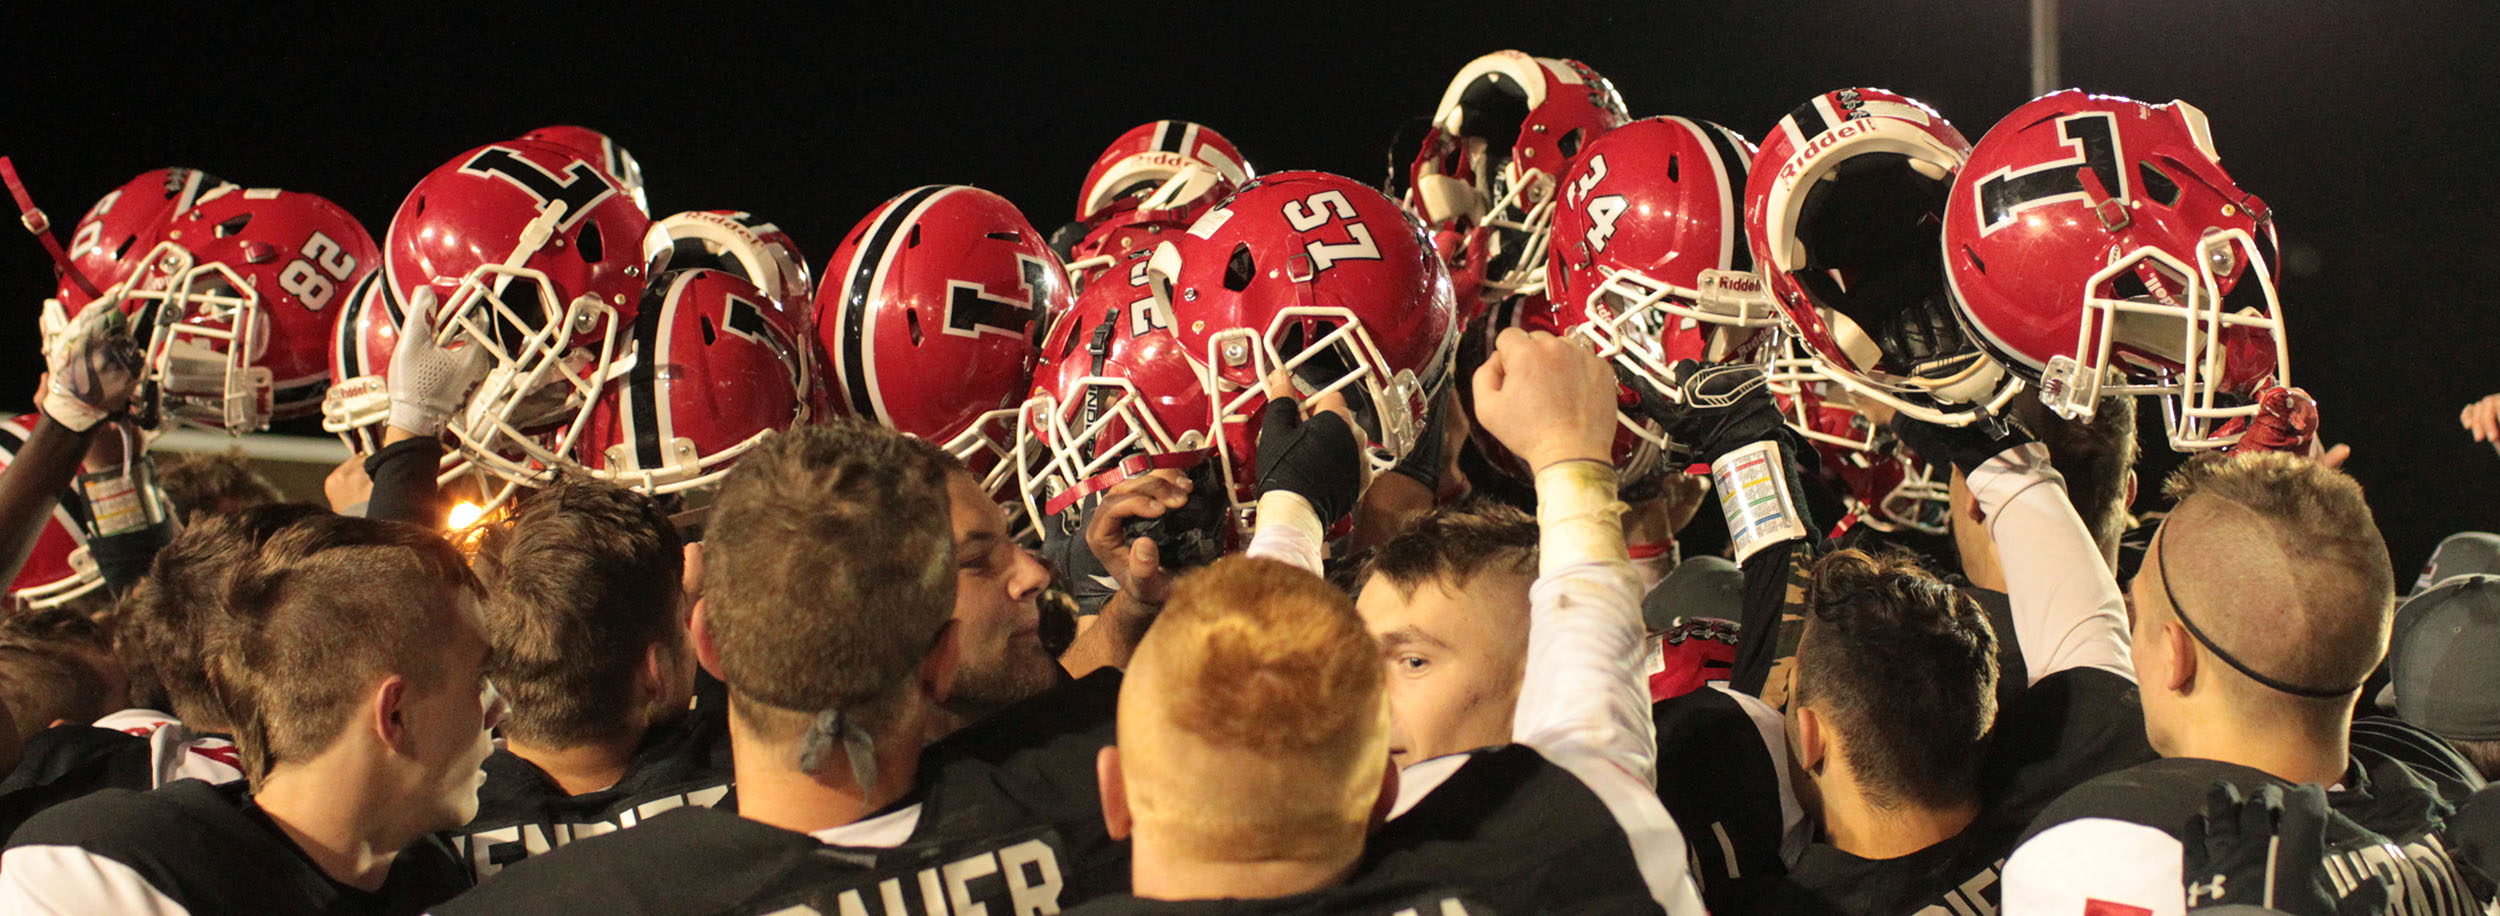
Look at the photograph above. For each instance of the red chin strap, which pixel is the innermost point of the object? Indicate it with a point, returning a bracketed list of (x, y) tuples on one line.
[(33, 219), (1128, 467)]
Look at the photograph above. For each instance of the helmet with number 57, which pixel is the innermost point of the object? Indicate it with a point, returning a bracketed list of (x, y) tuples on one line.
[(1326, 279), (928, 317), (236, 304), (1844, 207), (535, 254), (2096, 247)]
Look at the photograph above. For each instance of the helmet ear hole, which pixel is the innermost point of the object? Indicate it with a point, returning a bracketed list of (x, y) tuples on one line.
[(1240, 268), (591, 247)]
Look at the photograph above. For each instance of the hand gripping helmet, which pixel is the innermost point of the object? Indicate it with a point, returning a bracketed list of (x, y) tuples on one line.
[(124, 226), (58, 569), (753, 249), (2096, 247), (236, 303), (534, 254), (1843, 203), (928, 317), (1507, 128), (1321, 277), (602, 151), (1649, 260), (720, 369), (1116, 394)]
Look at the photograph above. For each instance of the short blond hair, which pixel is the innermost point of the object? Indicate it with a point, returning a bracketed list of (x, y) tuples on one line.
[(1253, 722), (2281, 564)]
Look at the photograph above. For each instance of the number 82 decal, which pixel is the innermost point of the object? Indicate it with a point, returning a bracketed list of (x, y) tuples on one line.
[(1320, 209)]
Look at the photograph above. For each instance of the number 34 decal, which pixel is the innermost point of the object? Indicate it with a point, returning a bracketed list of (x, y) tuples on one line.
[(1320, 209)]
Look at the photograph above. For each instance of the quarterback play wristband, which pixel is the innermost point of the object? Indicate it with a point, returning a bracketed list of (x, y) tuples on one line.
[(119, 503), (1753, 493)]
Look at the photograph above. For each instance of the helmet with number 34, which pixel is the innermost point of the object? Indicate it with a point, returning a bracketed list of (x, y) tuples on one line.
[(236, 304), (1323, 278), (2096, 247), (535, 254)]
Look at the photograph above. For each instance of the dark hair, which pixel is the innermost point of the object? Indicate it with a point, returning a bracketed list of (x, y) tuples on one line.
[(326, 606), (43, 683), (159, 627), (2094, 457), (211, 484), (2484, 755), (1905, 665), (581, 582), (1453, 543), (828, 568)]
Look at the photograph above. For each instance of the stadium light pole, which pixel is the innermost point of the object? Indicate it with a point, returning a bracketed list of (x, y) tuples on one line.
[(2043, 47)]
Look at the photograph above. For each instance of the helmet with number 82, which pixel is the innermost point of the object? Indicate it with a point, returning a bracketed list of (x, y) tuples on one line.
[(927, 319), (2096, 247), (237, 301)]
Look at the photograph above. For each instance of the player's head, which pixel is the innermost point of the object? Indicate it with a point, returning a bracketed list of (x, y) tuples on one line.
[(585, 613), (160, 626), (41, 685), (213, 484), (2097, 458), (1896, 684), (351, 649), (1448, 600), (1252, 724), (2262, 604), (828, 580), (998, 587), (71, 635)]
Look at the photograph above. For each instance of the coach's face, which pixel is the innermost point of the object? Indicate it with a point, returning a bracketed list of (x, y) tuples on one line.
[(997, 611), (1454, 657)]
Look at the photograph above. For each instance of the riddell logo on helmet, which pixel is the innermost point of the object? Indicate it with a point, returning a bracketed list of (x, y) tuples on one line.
[(1821, 144), (1167, 160)]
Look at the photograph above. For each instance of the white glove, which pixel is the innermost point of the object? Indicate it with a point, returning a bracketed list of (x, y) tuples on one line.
[(92, 365), (428, 380)]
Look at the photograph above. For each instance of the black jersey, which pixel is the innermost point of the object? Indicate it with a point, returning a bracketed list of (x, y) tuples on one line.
[(2115, 839), (2060, 733), (521, 812), (1722, 772), (71, 761), (1515, 830), (207, 849), (1365, 899), (1005, 814)]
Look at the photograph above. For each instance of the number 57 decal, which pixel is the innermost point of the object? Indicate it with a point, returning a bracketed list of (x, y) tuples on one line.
[(1318, 210)]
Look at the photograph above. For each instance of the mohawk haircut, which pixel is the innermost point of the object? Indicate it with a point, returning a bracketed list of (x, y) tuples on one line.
[(161, 626)]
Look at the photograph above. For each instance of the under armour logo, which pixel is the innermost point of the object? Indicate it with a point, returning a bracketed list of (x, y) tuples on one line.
[(2210, 890)]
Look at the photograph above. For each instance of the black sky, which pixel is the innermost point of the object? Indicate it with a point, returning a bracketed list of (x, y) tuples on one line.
[(2366, 125)]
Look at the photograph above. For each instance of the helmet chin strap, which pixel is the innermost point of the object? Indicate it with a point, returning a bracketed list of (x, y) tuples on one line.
[(36, 224)]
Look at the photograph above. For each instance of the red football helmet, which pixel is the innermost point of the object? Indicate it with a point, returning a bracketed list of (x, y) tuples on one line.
[(720, 369), (534, 254), (1843, 207), (1156, 178), (1115, 394), (1883, 485), (1653, 268), (2096, 247), (754, 249), (236, 302), (927, 320), (358, 404), (600, 150), (1321, 277), (1507, 128), (58, 569), (124, 226)]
